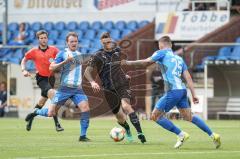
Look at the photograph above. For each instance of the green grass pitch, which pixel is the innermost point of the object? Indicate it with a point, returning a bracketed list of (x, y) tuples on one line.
[(43, 142)]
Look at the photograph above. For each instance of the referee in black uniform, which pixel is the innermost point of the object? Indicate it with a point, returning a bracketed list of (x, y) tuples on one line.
[(115, 83)]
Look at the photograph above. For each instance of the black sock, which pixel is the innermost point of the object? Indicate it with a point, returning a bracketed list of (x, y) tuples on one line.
[(135, 121), (38, 106), (55, 118), (125, 126)]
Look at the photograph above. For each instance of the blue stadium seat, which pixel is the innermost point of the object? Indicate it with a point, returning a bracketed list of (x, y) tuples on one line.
[(97, 25), (238, 40), (125, 32), (30, 66), (92, 50), (35, 42), (80, 34), (14, 60), (143, 23), (115, 34), (49, 26), (235, 55), (60, 26), (63, 34), (96, 44), (108, 25), (99, 33), (36, 26), (83, 50), (85, 43), (51, 42), (121, 25), (10, 36), (132, 25), (31, 36), (53, 35), (13, 27), (14, 34), (18, 54), (200, 67), (90, 34), (61, 44), (224, 53), (84, 25), (72, 26), (1, 27)]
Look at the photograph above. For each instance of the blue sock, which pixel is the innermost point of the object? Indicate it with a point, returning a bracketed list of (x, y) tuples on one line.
[(84, 122), (201, 124), (42, 112), (167, 124)]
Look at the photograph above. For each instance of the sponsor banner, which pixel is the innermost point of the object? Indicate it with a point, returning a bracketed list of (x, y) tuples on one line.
[(45, 6), (123, 5), (2, 8), (189, 25), (78, 6)]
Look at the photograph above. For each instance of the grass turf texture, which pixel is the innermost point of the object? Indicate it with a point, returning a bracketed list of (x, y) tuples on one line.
[(43, 142)]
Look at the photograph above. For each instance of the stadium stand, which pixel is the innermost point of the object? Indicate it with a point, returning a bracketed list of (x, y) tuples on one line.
[(232, 108), (224, 53), (89, 34)]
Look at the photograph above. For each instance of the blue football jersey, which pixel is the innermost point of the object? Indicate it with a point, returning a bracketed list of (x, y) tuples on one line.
[(172, 67), (71, 75)]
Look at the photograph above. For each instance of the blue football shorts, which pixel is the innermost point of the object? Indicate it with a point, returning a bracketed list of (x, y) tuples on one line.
[(63, 94), (172, 98)]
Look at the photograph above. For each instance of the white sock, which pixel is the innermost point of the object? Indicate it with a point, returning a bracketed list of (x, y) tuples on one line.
[(212, 135), (181, 134)]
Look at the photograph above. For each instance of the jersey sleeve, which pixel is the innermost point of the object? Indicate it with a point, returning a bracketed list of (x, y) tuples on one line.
[(95, 62), (30, 54), (59, 58), (157, 55)]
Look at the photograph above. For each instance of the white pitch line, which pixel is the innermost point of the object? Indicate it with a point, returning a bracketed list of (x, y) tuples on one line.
[(130, 154)]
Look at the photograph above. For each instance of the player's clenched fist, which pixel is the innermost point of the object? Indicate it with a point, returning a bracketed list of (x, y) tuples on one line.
[(95, 86)]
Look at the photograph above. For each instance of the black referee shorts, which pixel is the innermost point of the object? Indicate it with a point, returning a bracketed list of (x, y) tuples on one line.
[(44, 85), (113, 97)]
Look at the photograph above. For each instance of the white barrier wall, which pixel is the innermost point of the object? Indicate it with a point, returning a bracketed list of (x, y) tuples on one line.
[(26, 95), (189, 25), (91, 10)]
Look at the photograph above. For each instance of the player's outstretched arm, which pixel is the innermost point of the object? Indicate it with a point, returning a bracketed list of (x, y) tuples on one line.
[(23, 66), (88, 74), (143, 63), (188, 78)]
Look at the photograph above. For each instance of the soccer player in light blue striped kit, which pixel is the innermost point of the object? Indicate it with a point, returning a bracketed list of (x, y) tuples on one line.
[(173, 68), (70, 62)]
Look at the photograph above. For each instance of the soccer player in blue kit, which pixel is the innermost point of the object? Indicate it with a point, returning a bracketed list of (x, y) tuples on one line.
[(70, 62), (173, 68)]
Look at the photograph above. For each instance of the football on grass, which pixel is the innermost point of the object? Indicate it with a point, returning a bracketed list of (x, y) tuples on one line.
[(117, 134)]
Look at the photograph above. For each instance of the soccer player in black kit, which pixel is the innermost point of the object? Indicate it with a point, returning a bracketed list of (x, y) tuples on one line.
[(115, 84)]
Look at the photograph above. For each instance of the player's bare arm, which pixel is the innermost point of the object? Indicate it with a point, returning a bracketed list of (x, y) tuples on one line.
[(88, 74), (24, 71), (188, 78), (53, 66), (144, 62)]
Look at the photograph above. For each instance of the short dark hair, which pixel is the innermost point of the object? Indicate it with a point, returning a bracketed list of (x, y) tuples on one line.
[(105, 35), (71, 34), (40, 32)]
